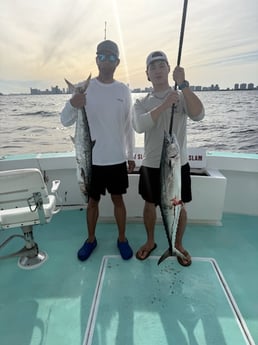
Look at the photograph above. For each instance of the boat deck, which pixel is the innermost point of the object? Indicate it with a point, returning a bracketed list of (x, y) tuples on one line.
[(107, 301)]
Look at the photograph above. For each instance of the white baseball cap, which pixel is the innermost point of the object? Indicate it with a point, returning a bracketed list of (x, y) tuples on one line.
[(155, 56)]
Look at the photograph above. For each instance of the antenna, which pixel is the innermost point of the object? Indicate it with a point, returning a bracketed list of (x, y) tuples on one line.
[(105, 31)]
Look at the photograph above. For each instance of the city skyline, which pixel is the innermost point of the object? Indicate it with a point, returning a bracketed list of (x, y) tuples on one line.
[(213, 87), (53, 41)]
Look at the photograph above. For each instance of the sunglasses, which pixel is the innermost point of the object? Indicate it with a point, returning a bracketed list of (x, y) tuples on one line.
[(104, 57)]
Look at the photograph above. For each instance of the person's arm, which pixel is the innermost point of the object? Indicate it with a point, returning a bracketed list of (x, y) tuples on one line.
[(194, 105), (70, 111), (129, 135), (144, 120), (171, 99)]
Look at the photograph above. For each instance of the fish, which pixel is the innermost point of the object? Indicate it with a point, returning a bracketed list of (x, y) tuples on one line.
[(170, 194), (83, 143)]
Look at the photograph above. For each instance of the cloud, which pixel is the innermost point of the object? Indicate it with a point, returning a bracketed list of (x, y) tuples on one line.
[(52, 40)]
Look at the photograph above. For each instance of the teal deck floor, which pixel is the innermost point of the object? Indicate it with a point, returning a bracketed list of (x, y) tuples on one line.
[(52, 304)]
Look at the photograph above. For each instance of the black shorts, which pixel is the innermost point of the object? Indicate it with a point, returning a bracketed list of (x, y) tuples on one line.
[(113, 178), (149, 184)]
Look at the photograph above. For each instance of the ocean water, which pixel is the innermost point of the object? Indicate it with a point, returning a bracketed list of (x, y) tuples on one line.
[(31, 123)]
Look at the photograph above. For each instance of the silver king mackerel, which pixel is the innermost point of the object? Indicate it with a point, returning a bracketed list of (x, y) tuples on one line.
[(82, 142), (170, 201)]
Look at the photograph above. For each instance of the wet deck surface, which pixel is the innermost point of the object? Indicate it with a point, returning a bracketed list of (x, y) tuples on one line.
[(106, 300)]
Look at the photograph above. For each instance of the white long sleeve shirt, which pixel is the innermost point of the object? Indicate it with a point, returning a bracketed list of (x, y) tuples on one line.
[(109, 112), (154, 130)]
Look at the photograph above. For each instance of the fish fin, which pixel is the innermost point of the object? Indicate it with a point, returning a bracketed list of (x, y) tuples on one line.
[(72, 138), (70, 85), (80, 87), (87, 81), (180, 254), (93, 143), (164, 256)]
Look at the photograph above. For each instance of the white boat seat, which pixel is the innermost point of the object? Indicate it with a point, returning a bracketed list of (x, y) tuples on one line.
[(25, 201), (23, 196)]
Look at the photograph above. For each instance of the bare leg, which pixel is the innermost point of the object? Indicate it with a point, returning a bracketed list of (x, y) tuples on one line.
[(92, 217), (180, 233), (120, 215), (149, 217)]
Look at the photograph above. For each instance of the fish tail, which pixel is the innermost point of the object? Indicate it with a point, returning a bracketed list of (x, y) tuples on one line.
[(164, 256)]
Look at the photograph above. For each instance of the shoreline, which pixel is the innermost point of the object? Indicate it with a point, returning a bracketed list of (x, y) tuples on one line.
[(132, 91)]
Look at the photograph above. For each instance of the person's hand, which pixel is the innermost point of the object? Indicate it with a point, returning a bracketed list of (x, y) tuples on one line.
[(171, 99), (78, 100), (131, 166), (179, 75)]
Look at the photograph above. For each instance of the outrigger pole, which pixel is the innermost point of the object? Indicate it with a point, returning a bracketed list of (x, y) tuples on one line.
[(179, 58), (105, 31)]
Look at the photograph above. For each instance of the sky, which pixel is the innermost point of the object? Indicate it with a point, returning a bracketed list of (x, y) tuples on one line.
[(43, 42)]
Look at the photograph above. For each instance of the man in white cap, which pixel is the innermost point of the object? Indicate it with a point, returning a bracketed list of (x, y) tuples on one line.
[(108, 106), (152, 116)]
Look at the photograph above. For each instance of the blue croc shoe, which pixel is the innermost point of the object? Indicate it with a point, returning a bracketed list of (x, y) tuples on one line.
[(125, 250), (85, 252)]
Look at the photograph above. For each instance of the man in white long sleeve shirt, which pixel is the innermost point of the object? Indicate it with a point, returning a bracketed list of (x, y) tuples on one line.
[(108, 106), (152, 116)]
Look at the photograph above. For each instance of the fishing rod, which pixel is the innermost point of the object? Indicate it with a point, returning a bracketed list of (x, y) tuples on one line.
[(179, 58)]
